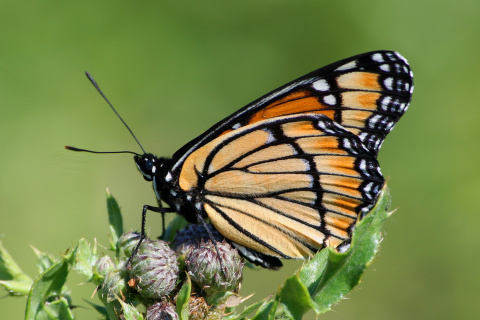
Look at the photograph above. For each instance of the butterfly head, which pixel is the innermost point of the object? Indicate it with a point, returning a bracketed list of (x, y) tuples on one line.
[(148, 164)]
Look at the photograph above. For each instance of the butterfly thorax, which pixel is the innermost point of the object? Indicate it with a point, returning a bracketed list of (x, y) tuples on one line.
[(157, 170)]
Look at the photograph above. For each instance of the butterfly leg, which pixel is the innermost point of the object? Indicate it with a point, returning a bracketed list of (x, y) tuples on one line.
[(143, 234)]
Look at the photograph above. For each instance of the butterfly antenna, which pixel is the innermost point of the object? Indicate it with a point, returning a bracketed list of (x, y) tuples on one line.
[(89, 76), (91, 151)]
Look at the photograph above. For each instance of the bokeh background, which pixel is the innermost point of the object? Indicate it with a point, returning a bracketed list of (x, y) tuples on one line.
[(173, 69)]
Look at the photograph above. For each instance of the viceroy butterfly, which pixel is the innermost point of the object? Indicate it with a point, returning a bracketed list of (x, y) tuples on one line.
[(292, 172)]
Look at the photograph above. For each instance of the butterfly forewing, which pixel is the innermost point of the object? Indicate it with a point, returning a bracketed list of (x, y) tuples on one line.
[(286, 186), (366, 94)]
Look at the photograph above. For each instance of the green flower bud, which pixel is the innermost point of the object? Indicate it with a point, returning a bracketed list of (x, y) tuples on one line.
[(126, 244), (114, 285), (191, 236), (205, 269), (154, 269), (162, 310), (101, 268)]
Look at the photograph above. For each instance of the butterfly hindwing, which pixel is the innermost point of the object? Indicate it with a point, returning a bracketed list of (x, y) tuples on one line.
[(286, 186)]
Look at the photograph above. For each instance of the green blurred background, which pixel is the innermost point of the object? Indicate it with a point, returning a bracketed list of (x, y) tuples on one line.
[(173, 69)]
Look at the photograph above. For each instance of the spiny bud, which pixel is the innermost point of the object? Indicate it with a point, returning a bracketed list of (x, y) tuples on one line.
[(191, 236), (162, 310), (126, 244), (101, 268), (205, 269), (114, 285), (154, 269)]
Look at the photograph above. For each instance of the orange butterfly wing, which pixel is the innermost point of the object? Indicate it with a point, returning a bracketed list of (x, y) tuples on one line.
[(286, 186)]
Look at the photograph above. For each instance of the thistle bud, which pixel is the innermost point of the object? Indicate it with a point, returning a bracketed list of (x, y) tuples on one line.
[(191, 236), (101, 268), (126, 244), (162, 310), (205, 269), (154, 269), (114, 285)]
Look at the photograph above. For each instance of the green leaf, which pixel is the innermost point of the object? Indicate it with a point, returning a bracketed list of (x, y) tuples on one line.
[(12, 277), (245, 312), (59, 309), (295, 298), (45, 261), (267, 311), (99, 308), (84, 258), (115, 220), (183, 298), (130, 312), (46, 291), (344, 270), (311, 273)]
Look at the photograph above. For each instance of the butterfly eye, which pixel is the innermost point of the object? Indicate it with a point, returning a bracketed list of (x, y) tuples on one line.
[(146, 165)]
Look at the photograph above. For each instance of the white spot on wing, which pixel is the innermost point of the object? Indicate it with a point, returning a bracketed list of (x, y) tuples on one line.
[(385, 67), (388, 83), (372, 123), (378, 57), (347, 66), (386, 103), (321, 85), (168, 177), (330, 100), (363, 167)]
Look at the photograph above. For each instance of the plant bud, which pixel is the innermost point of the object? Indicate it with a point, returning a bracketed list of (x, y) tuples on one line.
[(205, 269), (191, 236), (162, 310), (114, 285), (101, 268), (126, 244), (154, 269)]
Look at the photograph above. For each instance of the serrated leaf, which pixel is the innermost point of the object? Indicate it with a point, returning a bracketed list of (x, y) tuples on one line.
[(115, 220), (47, 289), (84, 258), (344, 270), (183, 298), (12, 278)]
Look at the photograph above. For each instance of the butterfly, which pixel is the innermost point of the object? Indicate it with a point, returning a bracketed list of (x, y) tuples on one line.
[(292, 172)]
